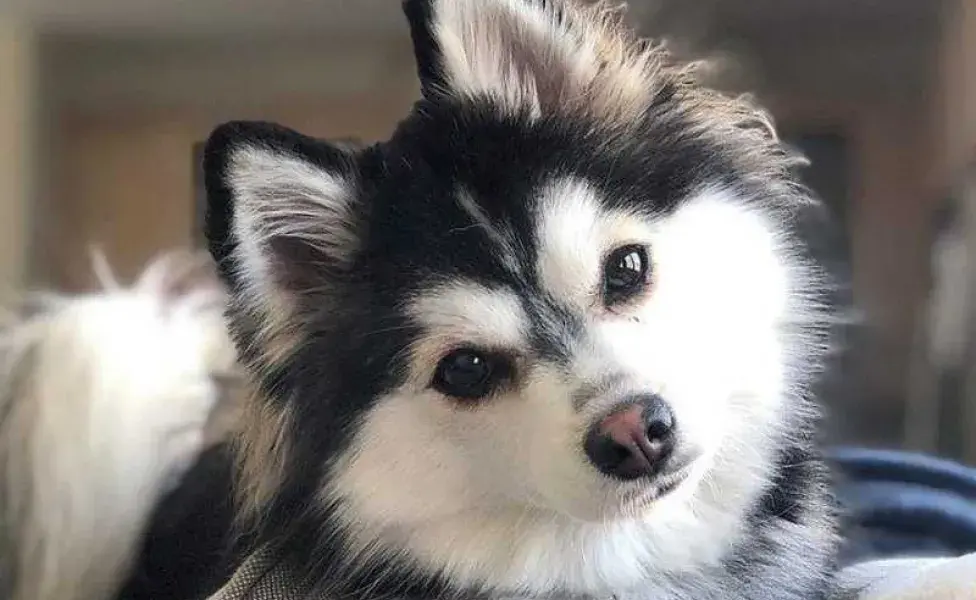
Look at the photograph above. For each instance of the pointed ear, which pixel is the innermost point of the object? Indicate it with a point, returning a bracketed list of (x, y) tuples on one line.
[(283, 210), (537, 56)]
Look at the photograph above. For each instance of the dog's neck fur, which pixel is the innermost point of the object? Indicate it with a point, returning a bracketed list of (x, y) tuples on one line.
[(771, 510)]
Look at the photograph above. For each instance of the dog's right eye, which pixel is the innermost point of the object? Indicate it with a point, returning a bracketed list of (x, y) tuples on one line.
[(468, 374), (625, 274)]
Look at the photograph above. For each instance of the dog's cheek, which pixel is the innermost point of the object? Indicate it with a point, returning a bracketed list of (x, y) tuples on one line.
[(527, 442), (557, 466), (404, 464), (730, 388), (714, 318)]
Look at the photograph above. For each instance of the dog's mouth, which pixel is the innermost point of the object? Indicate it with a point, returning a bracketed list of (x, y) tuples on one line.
[(656, 489)]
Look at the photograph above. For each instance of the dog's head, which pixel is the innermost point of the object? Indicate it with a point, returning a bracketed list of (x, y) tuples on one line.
[(556, 323)]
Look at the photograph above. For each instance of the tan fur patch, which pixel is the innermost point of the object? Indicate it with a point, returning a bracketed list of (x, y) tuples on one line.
[(225, 419), (262, 456), (579, 58), (566, 56)]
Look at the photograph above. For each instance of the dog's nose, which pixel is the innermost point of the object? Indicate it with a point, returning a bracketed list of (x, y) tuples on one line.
[(634, 440)]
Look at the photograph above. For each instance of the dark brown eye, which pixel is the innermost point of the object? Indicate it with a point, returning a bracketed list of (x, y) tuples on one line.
[(468, 374), (625, 274)]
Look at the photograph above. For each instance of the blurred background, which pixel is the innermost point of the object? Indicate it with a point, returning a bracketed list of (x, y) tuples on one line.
[(103, 105)]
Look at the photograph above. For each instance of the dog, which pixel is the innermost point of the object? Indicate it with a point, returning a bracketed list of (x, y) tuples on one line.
[(556, 337), (107, 399)]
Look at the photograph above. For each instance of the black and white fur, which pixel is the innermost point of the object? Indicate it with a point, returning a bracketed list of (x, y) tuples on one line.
[(547, 137)]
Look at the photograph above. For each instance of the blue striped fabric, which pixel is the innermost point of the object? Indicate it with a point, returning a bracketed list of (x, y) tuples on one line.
[(902, 503)]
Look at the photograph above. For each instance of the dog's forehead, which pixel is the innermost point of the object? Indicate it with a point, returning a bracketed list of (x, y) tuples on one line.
[(462, 191), (532, 206), (453, 228), (521, 277)]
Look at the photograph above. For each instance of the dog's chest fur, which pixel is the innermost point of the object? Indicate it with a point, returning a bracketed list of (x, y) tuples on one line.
[(785, 551)]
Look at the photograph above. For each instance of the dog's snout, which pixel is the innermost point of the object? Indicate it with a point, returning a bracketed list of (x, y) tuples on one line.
[(634, 440)]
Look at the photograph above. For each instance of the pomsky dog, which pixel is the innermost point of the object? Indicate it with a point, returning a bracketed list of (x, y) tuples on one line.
[(555, 338)]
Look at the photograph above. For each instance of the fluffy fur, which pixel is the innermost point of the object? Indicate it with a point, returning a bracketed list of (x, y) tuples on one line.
[(107, 398), (547, 137)]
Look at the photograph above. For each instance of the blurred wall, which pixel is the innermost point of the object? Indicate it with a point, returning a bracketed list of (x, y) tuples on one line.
[(17, 131), (956, 99), (955, 107), (129, 115), (870, 83)]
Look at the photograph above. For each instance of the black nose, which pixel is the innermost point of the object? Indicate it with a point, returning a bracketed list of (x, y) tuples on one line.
[(634, 440)]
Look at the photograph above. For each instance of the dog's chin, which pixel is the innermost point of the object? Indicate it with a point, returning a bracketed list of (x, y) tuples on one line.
[(638, 502), (632, 500)]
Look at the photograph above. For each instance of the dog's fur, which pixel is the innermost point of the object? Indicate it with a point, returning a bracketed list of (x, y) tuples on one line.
[(546, 138), (107, 398)]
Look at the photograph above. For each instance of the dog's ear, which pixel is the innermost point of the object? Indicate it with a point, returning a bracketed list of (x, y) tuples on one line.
[(532, 55), (283, 210)]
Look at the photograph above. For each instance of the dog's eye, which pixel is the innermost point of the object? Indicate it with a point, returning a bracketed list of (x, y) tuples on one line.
[(467, 374), (625, 274)]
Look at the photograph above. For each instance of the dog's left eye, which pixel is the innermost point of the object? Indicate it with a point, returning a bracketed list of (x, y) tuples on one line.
[(468, 374), (625, 274)]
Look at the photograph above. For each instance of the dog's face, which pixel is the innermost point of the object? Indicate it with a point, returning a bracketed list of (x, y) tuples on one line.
[(559, 311), (581, 355)]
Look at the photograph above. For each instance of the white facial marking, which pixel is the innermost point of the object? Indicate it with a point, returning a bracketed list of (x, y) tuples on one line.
[(575, 234), (709, 337), (469, 315)]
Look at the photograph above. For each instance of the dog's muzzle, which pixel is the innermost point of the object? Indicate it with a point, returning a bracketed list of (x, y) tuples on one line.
[(633, 440)]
